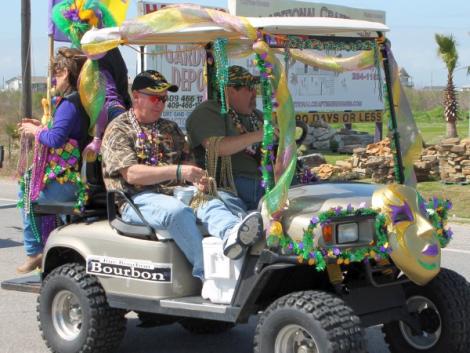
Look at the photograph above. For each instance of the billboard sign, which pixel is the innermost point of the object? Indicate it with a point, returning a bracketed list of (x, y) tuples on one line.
[(313, 90)]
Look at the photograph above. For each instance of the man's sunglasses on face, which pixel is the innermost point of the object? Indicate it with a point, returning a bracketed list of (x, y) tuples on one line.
[(155, 98)]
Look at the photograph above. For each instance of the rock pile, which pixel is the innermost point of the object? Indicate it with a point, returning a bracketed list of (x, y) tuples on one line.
[(321, 136), (334, 173), (454, 160), (449, 161), (348, 140), (312, 160), (427, 167), (375, 161)]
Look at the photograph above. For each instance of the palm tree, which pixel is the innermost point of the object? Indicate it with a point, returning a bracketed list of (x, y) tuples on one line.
[(448, 52)]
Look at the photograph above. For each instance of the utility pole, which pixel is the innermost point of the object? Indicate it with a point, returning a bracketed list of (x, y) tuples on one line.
[(26, 104)]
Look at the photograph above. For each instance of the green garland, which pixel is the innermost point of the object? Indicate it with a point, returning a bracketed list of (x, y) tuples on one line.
[(302, 42), (438, 211), (221, 65), (305, 250), (267, 153)]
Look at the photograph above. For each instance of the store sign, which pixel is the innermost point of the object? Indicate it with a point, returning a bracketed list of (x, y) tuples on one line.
[(292, 8), (341, 117), (312, 89)]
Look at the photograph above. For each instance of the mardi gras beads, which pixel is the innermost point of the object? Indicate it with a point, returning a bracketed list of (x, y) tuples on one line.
[(221, 63), (147, 143)]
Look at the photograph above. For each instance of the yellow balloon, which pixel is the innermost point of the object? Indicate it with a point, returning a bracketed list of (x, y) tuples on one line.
[(276, 228)]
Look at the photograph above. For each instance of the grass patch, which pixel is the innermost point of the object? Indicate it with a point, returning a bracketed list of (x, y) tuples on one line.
[(432, 129), (332, 157)]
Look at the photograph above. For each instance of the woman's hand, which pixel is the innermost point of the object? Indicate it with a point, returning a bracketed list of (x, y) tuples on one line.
[(29, 129), (31, 121)]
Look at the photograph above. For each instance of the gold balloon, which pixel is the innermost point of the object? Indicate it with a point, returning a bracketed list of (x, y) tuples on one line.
[(414, 242), (276, 228)]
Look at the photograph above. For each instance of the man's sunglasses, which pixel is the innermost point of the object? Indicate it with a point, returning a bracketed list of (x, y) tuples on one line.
[(155, 98)]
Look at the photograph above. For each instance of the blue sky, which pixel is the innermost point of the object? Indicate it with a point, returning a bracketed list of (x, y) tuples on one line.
[(413, 24)]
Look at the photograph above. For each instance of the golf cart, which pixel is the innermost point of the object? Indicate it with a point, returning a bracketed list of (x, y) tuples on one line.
[(336, 257)]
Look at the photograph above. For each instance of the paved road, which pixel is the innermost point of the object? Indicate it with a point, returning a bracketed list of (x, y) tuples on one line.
[(18, 327)]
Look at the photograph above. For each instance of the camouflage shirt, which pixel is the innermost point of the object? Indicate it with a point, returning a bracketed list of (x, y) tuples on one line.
[(119, 151)]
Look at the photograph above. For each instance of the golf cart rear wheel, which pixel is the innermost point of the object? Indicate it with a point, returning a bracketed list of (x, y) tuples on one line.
[(443, 310), (309, 322), (205, 327), (73, 313)]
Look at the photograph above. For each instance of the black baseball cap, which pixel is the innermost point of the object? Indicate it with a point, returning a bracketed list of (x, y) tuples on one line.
[(152, 81)]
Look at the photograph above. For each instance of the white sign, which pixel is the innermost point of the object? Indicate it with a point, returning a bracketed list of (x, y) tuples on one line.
[(292, 8), (316, 90), (141, 270), (313, 89)]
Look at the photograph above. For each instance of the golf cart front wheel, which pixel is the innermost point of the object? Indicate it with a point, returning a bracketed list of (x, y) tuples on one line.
[(442, 309), (309, 322), (73, 313)]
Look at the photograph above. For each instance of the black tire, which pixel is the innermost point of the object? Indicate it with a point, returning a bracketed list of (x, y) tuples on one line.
[(205, 327), (296, 322), (449, 294), (69, 294)]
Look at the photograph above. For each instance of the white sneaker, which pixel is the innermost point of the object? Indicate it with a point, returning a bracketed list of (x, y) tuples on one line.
[(250, 229), (233, 249), (244, 234)]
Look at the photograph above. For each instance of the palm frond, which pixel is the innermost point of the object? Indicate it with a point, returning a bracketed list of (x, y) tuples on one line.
[(447, 50)]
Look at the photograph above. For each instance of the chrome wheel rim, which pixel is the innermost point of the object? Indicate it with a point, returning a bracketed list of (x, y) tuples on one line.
[(424, 340), (67, 315), (294, 339)]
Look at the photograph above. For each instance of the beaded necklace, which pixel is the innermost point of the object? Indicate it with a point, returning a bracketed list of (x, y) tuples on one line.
[(147, 144), (255, 124)]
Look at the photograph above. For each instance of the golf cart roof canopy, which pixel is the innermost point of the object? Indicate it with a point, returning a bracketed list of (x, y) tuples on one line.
[(318, 26), (203, 33)]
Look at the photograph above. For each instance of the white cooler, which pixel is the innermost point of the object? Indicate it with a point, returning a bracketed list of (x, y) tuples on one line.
[(220, 272)]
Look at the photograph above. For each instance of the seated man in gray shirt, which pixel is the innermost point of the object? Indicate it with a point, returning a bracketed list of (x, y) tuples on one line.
[(238, 136)]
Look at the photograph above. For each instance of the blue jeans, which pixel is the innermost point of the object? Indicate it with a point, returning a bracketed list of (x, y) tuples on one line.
[(54, 191), (165, 212), (249, 193)]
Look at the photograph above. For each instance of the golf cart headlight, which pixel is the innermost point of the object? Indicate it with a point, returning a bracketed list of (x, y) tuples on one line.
[(348, 233)]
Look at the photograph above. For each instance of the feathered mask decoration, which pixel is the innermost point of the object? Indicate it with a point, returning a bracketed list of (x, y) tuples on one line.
[(75, 17)]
